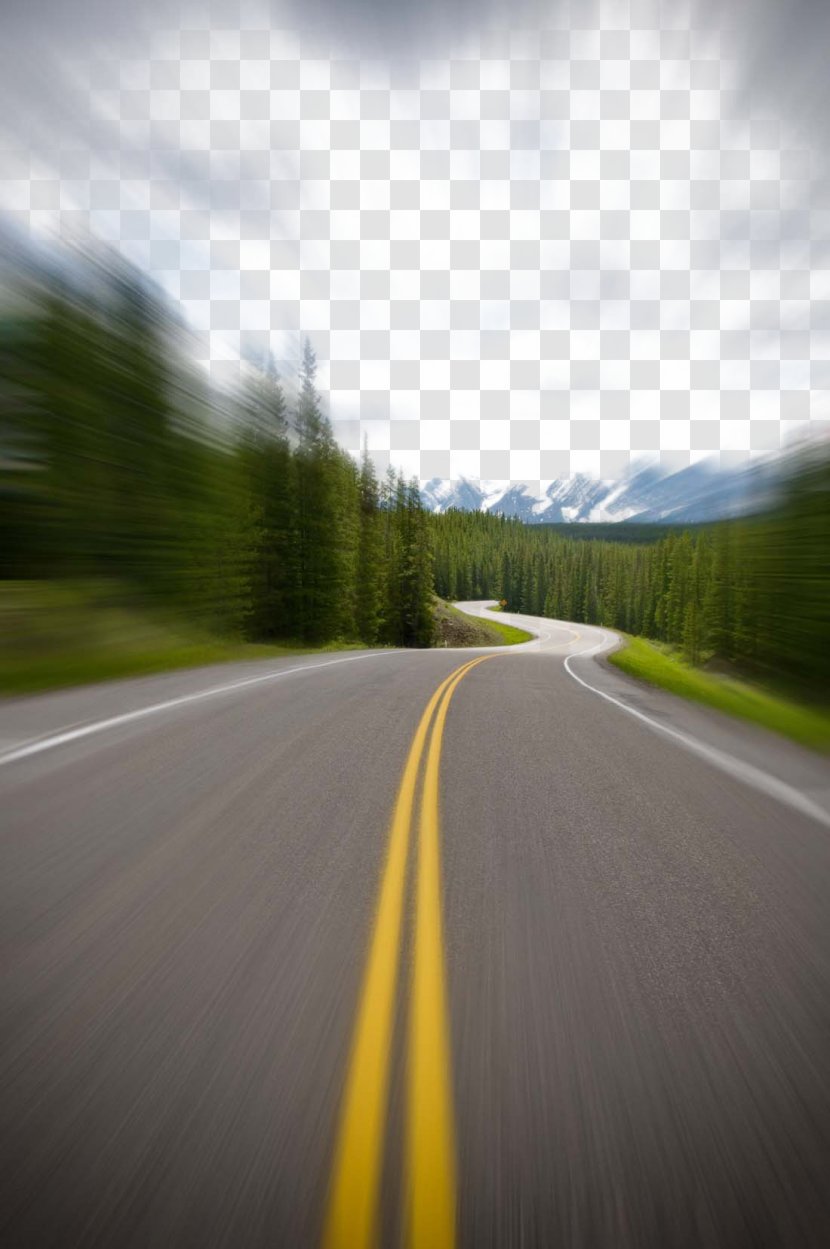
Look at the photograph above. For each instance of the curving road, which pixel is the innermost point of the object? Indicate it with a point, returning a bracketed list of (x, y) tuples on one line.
[(426, 948)]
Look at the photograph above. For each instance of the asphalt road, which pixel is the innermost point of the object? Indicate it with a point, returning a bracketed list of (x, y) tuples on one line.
[(292, 963)]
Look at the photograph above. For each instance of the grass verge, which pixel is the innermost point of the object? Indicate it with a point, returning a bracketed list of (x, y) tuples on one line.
[(54, 636), (456, 628), (806, 725)]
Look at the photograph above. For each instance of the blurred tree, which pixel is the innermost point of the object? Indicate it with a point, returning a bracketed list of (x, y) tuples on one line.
[(370, 566)]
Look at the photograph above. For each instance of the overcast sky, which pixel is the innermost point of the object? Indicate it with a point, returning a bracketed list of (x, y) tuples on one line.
[(524, 239)]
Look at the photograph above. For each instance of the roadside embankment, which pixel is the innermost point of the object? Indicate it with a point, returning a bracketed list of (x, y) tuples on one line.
[(456, 628), (658, 666), (54, 635)]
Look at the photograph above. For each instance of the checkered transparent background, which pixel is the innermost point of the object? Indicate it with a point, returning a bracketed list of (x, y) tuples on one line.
[(547, 252)]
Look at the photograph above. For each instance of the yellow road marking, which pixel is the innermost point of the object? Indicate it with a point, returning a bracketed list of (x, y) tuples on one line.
[(431, 1127), (352, 1214)]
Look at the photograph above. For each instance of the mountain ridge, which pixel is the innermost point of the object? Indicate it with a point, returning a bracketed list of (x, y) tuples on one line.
[(647, 493)]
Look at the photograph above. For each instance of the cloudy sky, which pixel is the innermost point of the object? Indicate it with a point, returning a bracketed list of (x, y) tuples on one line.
[(525, 239)]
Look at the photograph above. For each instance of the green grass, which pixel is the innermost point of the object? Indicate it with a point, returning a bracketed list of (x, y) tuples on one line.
[(806, 725), (456, 628), (33, 674), (53, 636), (59, 634), (509, 634)]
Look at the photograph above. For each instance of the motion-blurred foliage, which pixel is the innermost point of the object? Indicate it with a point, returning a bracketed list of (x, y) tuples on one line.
[(231, 509), (234, 513)]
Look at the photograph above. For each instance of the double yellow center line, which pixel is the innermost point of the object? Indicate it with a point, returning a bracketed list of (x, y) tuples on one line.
[(352, 1219)]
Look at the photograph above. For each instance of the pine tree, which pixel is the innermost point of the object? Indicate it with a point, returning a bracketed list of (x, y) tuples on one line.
[(416, 571), (692, 634), (319, 558), (271, 467), (370, 565)]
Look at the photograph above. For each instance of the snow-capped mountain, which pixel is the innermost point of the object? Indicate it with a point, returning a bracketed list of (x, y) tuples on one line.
[(646, 493)]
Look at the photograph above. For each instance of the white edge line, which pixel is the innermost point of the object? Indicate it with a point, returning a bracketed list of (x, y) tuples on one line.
[(42, 744), (737, 768)]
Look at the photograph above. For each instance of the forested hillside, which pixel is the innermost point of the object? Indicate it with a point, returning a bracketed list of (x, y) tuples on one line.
[(234, 509), (753, 593), (121, 467)]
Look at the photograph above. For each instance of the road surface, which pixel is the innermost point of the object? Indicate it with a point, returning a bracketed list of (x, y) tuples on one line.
[(384, 949)]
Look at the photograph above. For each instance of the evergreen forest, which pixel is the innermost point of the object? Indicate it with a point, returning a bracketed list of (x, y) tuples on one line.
[(121, 465), (233, 507), (753, 594)]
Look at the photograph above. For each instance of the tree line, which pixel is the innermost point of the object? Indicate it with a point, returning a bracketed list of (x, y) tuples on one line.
[(234, 507), (752, 593), (121, 465)]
